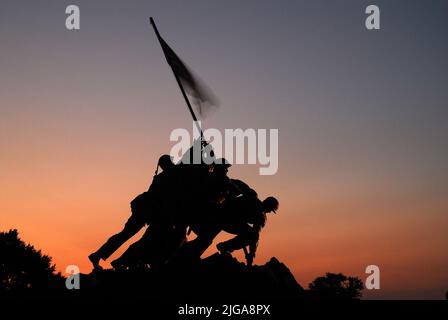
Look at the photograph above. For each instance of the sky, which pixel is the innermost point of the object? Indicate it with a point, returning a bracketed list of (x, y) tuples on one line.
[(363, 157)]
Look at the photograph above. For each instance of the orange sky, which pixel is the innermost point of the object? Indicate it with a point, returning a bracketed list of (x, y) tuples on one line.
[(68, 202)]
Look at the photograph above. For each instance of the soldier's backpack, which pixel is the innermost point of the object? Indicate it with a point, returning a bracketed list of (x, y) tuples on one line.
[(141, 203)]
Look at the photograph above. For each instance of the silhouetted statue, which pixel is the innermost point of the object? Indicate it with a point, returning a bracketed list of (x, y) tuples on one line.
[(144, 208), (195, 197)]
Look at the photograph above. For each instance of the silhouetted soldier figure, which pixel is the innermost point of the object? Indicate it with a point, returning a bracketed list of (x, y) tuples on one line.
[(245, 216), (176, 194), (203, 212), (144, 208)]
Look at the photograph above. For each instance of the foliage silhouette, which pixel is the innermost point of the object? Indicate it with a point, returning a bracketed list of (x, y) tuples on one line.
[(337, 286), (23, 268)]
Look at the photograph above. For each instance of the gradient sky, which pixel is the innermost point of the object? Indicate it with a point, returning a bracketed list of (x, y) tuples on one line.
[(362, 118)]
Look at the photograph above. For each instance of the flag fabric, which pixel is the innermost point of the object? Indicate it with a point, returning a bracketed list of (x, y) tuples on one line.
[(203, 96)]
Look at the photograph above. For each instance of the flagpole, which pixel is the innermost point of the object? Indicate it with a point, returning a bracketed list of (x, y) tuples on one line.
[(195, 119)]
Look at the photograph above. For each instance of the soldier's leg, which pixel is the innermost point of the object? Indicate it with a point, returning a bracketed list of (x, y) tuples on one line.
[(132, 226), (195, 248), (201, 243), (136, 251), (246, 235), (166, 240), (170, 244), (154, 248)]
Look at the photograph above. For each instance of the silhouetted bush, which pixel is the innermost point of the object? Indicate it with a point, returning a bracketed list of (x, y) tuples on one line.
[(337, 286), (22, 267)]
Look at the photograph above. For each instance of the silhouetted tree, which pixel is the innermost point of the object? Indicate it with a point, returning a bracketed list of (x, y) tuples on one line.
[(337, 286), (22, 267)]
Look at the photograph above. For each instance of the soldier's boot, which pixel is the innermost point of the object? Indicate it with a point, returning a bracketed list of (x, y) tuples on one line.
[(223, 248), (95, 260), (231, 245), (118, 264)]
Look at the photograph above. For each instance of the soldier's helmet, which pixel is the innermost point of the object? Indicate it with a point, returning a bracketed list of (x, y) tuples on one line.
[(221, 163), (165, 162), (221, 166), (270, 204)]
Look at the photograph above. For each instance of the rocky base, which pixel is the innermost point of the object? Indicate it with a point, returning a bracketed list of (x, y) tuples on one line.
[(218, 276)]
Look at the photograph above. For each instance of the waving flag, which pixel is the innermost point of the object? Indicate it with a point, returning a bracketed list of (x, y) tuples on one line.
[(203, 96)]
